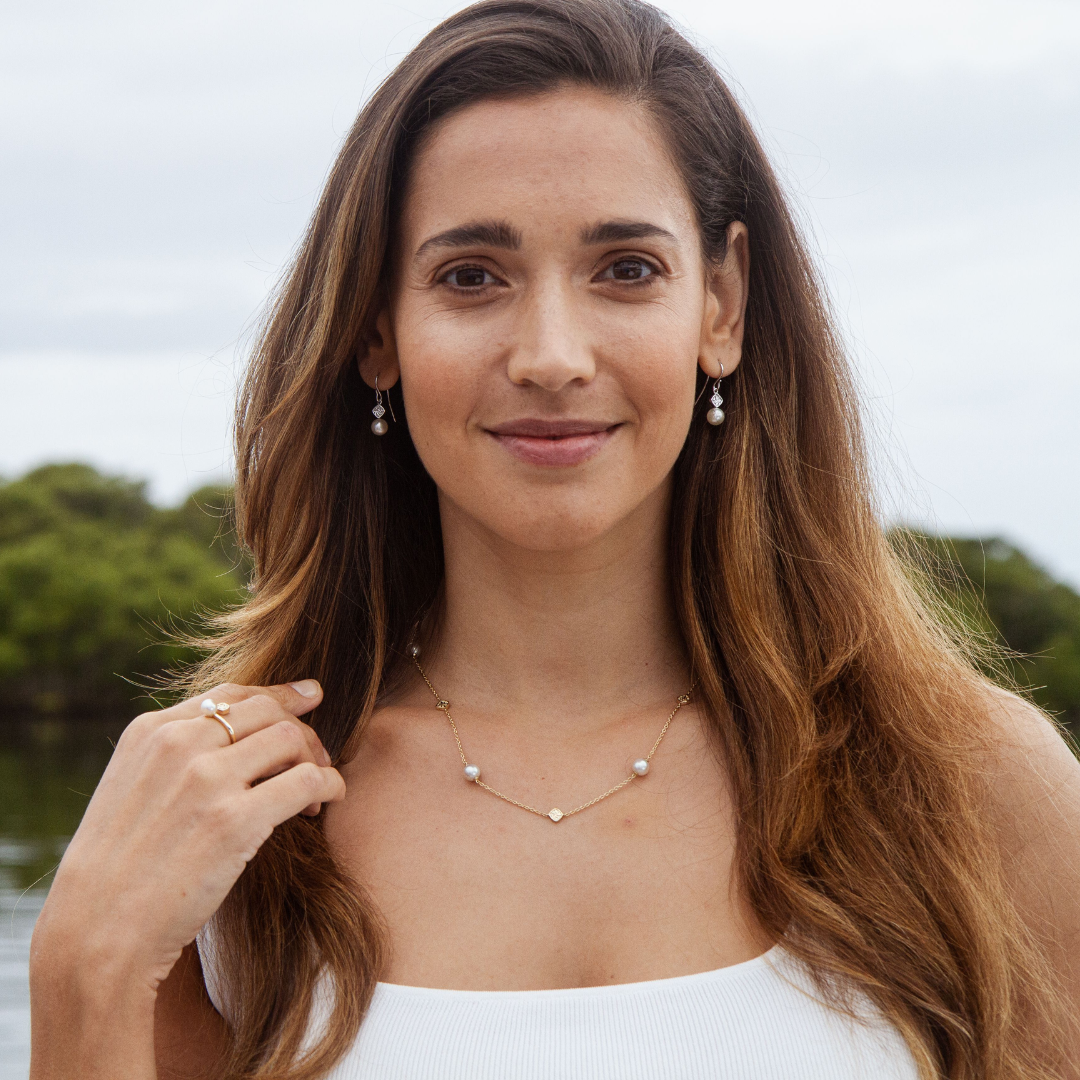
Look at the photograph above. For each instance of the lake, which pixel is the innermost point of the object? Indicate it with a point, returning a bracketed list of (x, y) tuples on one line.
[(48, 771)]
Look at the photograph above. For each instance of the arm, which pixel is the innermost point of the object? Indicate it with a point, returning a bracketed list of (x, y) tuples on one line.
[(178, 1027), (175, 819), (1034, 784)]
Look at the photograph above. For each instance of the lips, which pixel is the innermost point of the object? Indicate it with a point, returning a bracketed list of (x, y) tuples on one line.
[(553, 443)]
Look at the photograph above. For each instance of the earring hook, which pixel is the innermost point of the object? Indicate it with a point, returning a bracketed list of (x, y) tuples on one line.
[(715, 415), (705, 386), (378, 399)]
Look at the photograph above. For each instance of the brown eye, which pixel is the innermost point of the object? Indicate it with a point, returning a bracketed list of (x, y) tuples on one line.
[(629, 270), (468, 277)]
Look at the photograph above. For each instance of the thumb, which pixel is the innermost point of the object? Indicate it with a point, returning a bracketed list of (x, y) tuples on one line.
[(298, 697)]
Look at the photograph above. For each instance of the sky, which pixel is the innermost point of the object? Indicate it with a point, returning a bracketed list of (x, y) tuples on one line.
[(158, 164)]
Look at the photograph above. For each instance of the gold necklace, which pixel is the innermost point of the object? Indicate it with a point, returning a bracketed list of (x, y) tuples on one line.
[(472, 772)]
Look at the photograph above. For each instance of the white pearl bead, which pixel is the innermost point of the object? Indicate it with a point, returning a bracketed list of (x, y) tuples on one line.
[(715, 416), (208, 707), (472, 772), (380, 427), (640, 767)]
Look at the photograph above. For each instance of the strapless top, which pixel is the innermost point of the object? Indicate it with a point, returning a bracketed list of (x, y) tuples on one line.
[(758, 1020)]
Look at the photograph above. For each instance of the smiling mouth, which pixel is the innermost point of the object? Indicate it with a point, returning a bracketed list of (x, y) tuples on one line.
[(553, 443)]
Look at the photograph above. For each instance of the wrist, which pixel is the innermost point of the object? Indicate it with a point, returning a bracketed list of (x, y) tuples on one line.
[(92, 1014), (75, 972), (93, 946), (79, 963)]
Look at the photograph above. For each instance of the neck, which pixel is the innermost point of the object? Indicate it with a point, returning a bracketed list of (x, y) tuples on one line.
[(566, 637)]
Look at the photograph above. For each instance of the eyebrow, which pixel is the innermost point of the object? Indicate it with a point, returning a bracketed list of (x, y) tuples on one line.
[(498, 234), (608, 232), (501, 234)]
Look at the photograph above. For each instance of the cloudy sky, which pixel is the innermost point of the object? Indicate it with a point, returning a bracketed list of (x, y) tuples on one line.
[(158, 163)]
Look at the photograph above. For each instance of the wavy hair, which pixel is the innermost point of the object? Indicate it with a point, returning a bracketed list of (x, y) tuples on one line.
[(849, 719)]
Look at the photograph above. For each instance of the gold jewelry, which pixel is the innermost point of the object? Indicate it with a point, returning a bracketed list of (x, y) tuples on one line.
[(472, 772), (217, 711)]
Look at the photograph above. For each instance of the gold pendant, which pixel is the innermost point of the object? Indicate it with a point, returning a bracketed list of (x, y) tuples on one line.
[(472, 772)]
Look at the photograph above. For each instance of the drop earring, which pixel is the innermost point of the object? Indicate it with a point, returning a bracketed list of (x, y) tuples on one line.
[(379, 425), (715, 415)]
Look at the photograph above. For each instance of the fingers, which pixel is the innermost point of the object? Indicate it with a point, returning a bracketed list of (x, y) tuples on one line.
[(297, 698), (252, 708), (264, 754), (287, 794), (246, 718), (253, 711), (270, 751), (273, 750)]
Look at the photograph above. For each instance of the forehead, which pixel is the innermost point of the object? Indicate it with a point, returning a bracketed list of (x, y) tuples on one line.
[(549, 161)]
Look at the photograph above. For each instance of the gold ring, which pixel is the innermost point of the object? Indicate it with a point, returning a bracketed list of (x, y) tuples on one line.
[(216, 711), (227, 726)]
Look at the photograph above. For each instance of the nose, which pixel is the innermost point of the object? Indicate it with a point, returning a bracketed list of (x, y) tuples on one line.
[(551, 349)]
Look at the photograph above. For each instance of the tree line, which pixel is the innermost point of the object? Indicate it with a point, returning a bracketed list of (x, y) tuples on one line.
[(96, 582)]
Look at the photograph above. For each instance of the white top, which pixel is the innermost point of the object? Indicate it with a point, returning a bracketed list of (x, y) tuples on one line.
[(759, 1020)]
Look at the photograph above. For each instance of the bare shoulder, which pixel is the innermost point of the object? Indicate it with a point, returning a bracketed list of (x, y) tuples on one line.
[(1034, 774), (1033, 784), (190, 1037)]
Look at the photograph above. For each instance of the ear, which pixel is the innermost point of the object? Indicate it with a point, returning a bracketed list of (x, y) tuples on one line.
[(376, 356), (724, 317)]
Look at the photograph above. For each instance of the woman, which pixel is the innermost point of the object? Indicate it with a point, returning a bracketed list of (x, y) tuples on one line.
[(624, 710)]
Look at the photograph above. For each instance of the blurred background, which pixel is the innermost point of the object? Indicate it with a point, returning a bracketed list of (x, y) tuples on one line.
[(159, 162)]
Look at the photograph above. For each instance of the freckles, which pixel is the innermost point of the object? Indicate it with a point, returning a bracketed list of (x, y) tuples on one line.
[(657, 365)]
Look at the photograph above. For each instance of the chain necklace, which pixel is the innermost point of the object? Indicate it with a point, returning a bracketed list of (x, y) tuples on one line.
[(472, 772)]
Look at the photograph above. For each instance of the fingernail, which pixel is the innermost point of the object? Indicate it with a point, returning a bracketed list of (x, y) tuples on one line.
[(306, 687), (326, 757)]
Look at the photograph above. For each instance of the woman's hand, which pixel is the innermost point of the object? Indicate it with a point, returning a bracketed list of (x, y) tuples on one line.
[(175, 819)]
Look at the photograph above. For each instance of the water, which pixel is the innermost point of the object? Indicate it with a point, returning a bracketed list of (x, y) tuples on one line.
[(17, 915), (48, 771)]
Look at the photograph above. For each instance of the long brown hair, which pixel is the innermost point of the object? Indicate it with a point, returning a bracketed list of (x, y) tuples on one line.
[(849, 720)]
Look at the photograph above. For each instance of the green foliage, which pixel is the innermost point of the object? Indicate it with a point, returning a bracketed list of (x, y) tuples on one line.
[(1000, 593), (92, 578)]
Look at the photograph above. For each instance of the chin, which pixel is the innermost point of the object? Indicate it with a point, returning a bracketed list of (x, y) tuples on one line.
[(545, 537), (554, 514), (552, 529)]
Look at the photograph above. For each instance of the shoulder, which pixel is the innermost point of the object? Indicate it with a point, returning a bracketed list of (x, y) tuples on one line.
[(1033, 775), (1033, 796)]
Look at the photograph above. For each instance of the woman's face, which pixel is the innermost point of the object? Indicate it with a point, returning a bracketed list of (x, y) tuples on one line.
[(549, 310)]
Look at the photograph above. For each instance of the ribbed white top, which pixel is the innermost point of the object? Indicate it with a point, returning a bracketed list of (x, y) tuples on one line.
[(760, 1020)]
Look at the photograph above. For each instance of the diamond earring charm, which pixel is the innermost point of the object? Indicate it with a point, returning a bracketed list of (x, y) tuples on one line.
[(715, 415), (379, 425)]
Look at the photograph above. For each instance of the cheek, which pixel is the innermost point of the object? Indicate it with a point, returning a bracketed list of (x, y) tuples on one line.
[(442, 375), (654, 360)]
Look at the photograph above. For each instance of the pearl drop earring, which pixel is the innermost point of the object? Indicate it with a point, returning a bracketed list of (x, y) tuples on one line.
[(715, 415), (379, 425)]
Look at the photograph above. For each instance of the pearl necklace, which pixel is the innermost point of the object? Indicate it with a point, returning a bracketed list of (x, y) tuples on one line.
[(472, 772)]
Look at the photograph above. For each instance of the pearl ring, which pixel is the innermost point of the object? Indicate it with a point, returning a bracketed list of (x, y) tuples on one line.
[(217, 711)]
